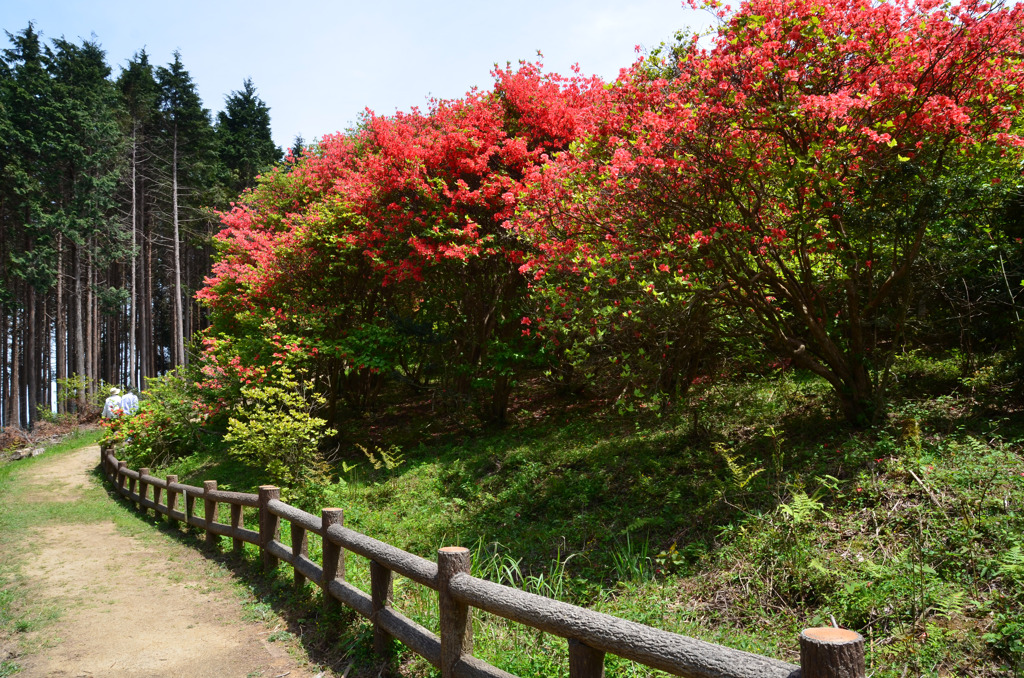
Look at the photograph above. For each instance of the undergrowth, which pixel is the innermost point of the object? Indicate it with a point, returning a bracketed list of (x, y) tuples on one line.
[(740, 519)]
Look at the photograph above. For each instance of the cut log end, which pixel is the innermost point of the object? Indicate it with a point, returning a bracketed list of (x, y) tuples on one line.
[(831, 653), (828, 634), (454, 549)]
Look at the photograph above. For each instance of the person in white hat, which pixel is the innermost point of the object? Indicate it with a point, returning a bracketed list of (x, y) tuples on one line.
[(112, 405)]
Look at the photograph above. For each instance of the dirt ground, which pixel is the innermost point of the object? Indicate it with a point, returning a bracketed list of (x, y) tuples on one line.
[(134, 609)]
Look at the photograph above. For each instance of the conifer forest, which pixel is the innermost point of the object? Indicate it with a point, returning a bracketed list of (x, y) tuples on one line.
[(109, 179)]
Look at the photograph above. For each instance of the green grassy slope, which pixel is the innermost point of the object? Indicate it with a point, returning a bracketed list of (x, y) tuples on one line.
[(749, 515)]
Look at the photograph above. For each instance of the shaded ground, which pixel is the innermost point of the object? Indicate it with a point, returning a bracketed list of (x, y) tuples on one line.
[(130, 608)]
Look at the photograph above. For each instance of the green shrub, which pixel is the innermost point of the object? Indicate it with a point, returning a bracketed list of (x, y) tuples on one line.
[(274, 428), (167, 426)]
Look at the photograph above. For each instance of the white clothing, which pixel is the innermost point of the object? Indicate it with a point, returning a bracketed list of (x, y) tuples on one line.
[(109, 405), (129, 403)]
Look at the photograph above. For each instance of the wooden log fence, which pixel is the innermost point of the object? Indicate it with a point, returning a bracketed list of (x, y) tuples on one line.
[(825, 652)]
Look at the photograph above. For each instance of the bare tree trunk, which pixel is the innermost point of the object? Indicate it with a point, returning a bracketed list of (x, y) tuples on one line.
[(132, 378), (31, 374), (143, 338), (5, 387), (61, 333), (22, 382), (87, 328), (94, 320), (79, 330), (45, 389), (179, 325), (148, 339), (14, 397)]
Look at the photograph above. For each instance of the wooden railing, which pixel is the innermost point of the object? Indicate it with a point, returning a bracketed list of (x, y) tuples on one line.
[(824, 652)]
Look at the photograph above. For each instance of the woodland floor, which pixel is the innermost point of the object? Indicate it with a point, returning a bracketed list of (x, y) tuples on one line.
[(128, 606)]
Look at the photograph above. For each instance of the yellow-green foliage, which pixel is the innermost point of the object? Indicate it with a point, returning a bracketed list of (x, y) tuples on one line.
[(391, 458), (274, 429)]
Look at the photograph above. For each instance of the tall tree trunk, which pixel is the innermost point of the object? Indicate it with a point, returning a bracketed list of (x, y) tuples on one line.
[(87, 328), (79, 329), (148, 334), (132, 378), (179, 325), (94, 321), (22, 382), (46, 373), (61, 333), (14, 397), (144, 303), (31, 355), (4, 363)]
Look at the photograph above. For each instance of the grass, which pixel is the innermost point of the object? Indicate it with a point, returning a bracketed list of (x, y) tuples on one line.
[(24, 621), (743, 517)]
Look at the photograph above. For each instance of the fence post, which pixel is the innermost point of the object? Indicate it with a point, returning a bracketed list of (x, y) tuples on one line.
[(237, 524), (269, 524), (300, 547), (190, 508), (172, 498), (132, 486), (381, 594), (143, 489), (831, 653), (156, 499), (585, 661), (456, 625), (210, 512), (121, 465), (334, 556)]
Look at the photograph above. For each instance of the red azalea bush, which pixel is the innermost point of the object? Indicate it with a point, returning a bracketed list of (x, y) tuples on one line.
[(386, 251), (793, 172), (781, 184)]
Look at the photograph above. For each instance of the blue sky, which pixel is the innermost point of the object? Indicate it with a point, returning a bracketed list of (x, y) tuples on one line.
[(318, 64)]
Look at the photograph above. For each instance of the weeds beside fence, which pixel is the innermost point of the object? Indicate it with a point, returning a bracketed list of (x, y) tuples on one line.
[(825, 652)]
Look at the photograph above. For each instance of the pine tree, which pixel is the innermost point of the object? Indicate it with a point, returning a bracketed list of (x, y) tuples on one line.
[(243, 134), (90, 156), (29, 248), (139, 96), (187, 134), (298, 146)]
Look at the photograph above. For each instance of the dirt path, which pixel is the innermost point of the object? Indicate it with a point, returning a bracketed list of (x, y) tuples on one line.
[(134, 609)]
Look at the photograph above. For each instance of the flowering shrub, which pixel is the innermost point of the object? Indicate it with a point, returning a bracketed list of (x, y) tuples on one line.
[(386, 252), (783, 181), (797, 169), (168, 425)]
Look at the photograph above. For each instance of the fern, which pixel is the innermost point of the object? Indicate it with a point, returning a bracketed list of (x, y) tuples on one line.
[(741, 475), (390, 458), (973, 446), (1012, 563), (949, 602), (778, 454), (801, 508)]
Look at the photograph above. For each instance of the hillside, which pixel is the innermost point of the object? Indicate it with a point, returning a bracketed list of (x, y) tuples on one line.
[(749, 514)]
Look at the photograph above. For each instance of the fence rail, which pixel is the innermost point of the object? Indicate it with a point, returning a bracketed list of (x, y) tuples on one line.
[(824, 652)]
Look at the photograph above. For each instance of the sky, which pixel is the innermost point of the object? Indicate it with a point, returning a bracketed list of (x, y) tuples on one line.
[(319, 64)]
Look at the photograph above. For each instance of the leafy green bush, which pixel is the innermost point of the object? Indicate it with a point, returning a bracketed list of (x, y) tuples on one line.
[(274, 428), (167, 426)]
